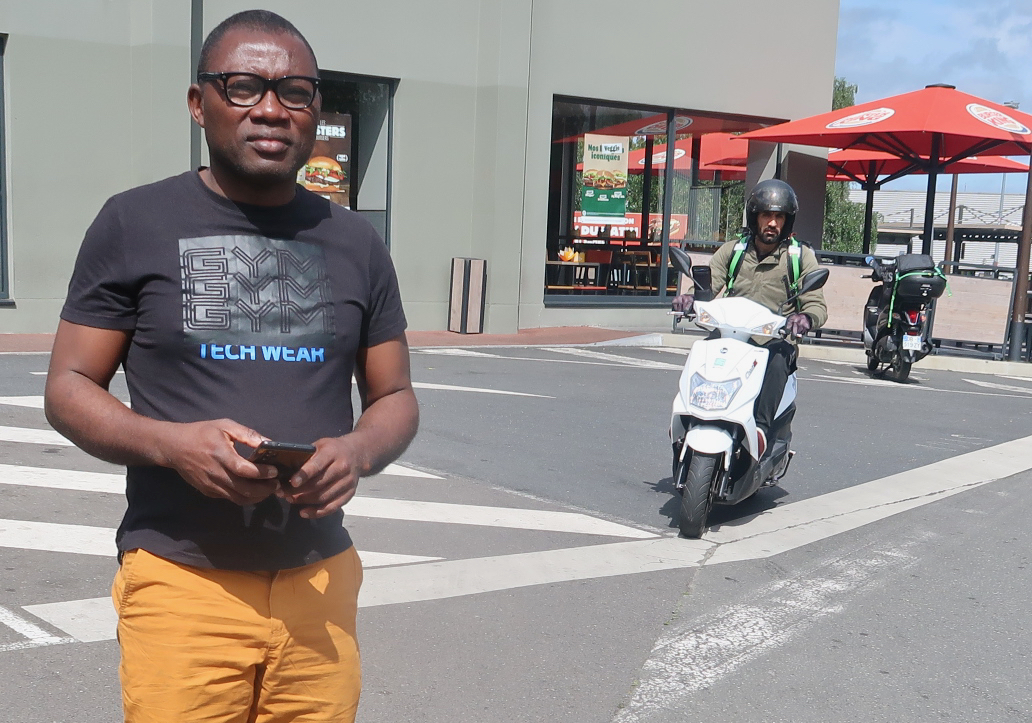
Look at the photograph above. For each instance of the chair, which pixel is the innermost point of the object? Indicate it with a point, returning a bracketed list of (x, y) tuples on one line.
[(604, 259)]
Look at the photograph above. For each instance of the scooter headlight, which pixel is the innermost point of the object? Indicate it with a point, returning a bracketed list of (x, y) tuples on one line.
[(768, 329), (712, 395), (704, 318)]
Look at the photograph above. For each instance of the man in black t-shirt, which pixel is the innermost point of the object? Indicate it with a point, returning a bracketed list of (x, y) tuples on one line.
[(241, 306)]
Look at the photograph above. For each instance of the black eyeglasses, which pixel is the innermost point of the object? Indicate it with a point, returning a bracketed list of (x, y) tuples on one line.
[(295, 92)]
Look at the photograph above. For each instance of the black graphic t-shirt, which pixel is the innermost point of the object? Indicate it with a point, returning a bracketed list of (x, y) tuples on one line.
[(245, 312)]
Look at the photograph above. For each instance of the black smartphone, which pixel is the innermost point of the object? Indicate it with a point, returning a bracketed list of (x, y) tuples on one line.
[(286, 457)]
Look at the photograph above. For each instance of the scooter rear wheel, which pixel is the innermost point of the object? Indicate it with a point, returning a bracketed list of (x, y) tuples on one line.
[(898, 369), (696, 500)]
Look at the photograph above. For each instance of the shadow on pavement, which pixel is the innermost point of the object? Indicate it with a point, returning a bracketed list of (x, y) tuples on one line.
[(764, 499)]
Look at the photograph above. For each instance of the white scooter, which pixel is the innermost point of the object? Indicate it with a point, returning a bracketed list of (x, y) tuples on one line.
[(712, 428)]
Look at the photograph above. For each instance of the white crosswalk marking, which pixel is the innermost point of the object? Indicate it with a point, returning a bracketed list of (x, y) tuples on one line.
[(360, 506), (544, 520), (34, 635), (451, 351), (26, 435), (100, 541), (49, 437), (619, 358), (32, 402), (1002, 387), (453, 388)]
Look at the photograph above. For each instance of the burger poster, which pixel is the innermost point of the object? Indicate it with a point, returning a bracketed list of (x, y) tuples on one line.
[(328, 171), (604, 191)]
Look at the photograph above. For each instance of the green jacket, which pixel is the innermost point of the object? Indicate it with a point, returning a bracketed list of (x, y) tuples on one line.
[(763, 281)]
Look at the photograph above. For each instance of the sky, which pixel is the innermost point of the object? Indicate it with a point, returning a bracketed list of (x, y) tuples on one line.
[(983, 47)]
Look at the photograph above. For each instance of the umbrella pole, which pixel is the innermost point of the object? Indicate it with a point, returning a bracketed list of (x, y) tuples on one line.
[(869, 209), (933, 175), (1020, 306), (950, 225)]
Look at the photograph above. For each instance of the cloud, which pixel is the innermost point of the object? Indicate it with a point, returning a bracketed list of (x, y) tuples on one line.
[(888, 47)]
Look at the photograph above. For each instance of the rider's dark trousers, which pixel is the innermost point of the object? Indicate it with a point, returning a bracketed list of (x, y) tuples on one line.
[(780, 364)]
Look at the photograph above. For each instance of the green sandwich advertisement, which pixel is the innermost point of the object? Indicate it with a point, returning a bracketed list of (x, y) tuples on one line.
[(604, 176)]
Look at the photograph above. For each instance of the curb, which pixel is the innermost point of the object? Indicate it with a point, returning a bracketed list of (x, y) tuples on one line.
[(820, 352)]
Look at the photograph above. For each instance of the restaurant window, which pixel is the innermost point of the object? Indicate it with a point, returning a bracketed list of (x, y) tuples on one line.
[(611, 220), (350, 163)]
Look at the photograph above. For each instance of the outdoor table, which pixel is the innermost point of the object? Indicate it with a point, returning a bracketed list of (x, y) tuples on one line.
[(571, 275)]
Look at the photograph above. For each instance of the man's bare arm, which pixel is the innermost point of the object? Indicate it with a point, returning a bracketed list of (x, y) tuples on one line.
[(390, 417), (79, 406)]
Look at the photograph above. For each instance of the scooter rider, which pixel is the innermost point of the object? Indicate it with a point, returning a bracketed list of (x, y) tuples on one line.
[(756, 266)]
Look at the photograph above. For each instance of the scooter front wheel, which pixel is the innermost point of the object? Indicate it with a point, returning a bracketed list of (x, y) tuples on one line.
[(697, 499), (872, 362)]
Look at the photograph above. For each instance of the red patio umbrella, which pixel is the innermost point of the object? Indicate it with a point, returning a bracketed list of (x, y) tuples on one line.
[(714, 147), (873, 169), (656, 125), (931, 128)]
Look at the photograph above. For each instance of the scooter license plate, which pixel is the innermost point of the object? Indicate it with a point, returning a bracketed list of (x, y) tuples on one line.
[(912, 342)]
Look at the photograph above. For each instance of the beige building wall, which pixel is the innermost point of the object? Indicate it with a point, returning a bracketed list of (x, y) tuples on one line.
[(94, 104), (471, 123)]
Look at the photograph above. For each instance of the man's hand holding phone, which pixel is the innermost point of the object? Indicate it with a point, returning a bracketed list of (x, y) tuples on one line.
[(203, 453), (327, 481)]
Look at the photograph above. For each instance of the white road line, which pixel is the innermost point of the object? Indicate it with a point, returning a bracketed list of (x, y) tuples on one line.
[(100, 541), (866, 381), (30, 402), (34, 635), (1017, 379), (603, 356), (916, 387), (56, 537), (384, 559), (43, 374), (696, 656), (451, 351), (453, 388), (62, 479), (670, 350), (87, 621), (114, 483), (788, 527), (26, 435), (556, 361), (373, 507), (1002, 387), (508, 517), (454, 578), (770, 533), (398, 470)]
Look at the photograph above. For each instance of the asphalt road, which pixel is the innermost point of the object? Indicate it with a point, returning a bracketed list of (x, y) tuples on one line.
[(526, 594)]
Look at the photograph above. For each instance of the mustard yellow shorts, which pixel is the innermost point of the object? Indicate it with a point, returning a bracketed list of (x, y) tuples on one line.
[(238, 647)]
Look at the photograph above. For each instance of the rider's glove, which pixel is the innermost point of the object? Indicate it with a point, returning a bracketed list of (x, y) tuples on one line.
[(798, 324), (682, 303)]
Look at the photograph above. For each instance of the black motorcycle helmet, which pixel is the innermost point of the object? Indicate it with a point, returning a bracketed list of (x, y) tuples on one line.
[(772, 195)]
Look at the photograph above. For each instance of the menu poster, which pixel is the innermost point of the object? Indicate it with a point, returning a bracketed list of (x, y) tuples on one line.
[(604, 192), (328, 171)]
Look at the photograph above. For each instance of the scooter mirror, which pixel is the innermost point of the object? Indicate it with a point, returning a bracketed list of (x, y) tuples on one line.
[(814, 280), (703, 278), (681, 261)]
